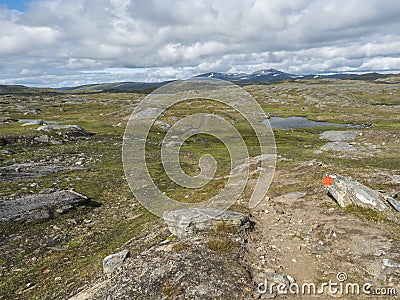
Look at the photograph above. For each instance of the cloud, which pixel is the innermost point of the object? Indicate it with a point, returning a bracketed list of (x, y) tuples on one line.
[(54, 41)]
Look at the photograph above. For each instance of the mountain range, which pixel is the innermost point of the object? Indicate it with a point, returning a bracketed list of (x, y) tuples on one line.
[(258, 77)]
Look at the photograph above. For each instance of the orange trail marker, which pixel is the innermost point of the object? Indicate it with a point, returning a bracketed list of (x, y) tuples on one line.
[(327, 180)]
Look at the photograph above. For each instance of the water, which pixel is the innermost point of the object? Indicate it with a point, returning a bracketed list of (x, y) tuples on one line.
[(302, 122), (77, 99)]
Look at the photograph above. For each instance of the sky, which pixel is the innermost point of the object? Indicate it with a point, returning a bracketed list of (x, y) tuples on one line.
[(57, 43)]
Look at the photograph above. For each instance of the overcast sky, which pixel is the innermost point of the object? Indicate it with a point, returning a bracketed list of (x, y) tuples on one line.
[(72, 42)]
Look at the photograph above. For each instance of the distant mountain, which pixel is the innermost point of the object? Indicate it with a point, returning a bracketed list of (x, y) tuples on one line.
[(258, 77), (21, 89), (255, 77), (117, 87)]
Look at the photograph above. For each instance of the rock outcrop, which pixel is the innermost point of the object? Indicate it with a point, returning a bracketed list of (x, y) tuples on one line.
[(347, 191), (41, 206), (66, 131), (186, 222), (113, 261), (32, 170)]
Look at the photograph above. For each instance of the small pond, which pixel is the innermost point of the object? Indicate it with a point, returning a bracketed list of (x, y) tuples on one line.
[(302, 122)]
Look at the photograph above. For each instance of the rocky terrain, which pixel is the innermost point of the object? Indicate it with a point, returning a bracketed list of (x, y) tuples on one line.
[(65, 204)]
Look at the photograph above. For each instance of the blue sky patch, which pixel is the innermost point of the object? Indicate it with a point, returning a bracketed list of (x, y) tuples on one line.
[(15, 4)]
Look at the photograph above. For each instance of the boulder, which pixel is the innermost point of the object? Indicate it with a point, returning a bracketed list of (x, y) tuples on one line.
[(32, 122), (67, 131), (186, 222), (113, 261), (390, 264), (347, 191), (40, 206), (47, 139), (394, 203), (339, 135)]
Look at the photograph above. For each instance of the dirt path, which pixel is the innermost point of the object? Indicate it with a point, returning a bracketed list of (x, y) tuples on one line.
[(310, 240)]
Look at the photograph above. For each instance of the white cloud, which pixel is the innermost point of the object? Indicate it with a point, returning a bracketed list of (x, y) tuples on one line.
[(27, 72), (55, 40)]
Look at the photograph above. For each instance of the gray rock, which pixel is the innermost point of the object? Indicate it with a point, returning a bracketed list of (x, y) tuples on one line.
[(161, 272), (7, 152), (379, 253), (390, 264), (288, 198), (163, 125), (317, 249), (347, 191), (113, 261), (186, 222), (8, 120), (32, 122), (338, 146), (55, 127), (32, 170), (67, 131), (41, 206), (394, 203), (339, 136), (47, 139)]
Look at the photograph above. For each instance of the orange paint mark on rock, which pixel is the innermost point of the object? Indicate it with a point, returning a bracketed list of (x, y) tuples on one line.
[(327, 180)]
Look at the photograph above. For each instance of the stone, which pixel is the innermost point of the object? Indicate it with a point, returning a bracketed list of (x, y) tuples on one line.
[(186, 222), (394, 203), (67, 131), (31, 122), (338, 146), (390, 264), (32, 170), (288, 198), (317, 249), (113, 261), (47, 139), (64, 209), (8, 120), (193, 273), (339, 135), (162, 125), (379, 253), (7, 152), (40, 206), (347, 191)]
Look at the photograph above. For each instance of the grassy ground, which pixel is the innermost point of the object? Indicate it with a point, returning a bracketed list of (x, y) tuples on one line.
[(54, 258)]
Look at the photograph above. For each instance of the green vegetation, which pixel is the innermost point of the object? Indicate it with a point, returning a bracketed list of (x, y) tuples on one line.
[(366, 213), (223, 227), (180, 246), (222, 245), (73, 245)]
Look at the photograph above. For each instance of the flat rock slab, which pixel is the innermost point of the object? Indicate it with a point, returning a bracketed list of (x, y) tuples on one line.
[(113, 261), (347, 191), (186, 222), (31, 170), (338, 146), (41, 206), (288, 198), (339, 135)]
